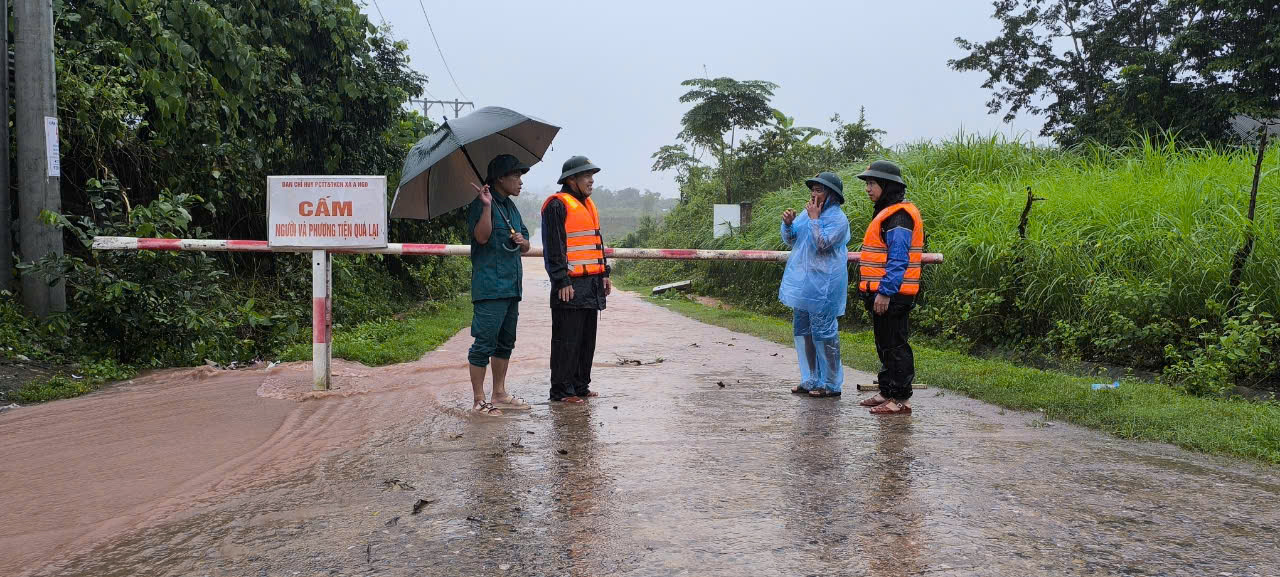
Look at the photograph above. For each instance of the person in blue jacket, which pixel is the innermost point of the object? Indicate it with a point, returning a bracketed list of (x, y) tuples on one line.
[(815, 283), (889, 282)]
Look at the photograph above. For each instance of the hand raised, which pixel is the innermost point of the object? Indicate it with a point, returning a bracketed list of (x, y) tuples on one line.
[(485, 196), (813, 209)]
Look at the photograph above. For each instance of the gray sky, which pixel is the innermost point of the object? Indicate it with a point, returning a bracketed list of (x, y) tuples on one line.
[(609, 73)]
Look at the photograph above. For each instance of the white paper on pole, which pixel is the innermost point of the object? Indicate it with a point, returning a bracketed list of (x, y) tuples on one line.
[(327, 211), (51, 146)]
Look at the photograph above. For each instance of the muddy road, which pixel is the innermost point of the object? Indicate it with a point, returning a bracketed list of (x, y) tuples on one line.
[(201, 472)]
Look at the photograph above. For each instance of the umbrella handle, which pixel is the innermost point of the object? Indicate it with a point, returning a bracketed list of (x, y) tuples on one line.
[(510, 228)]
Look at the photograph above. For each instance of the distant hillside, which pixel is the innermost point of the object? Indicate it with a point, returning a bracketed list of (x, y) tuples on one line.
[(620, 211)]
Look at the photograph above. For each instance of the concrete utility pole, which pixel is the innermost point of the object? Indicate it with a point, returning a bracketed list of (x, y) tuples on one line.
[(457, 105), (6, 217), (39, 170)]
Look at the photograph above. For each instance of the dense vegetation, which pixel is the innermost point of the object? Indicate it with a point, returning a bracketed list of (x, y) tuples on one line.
[(173, 113)]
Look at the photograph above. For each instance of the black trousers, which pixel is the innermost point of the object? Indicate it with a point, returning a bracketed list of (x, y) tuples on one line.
[(573, 347), (897, 362)]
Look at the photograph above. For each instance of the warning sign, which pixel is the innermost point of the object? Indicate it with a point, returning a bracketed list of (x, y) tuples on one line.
[(327, 211)]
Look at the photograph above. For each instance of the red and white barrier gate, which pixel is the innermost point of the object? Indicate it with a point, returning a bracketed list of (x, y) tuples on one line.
[(322, 270)]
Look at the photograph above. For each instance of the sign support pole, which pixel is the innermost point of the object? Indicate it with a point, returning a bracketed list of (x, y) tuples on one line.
[(321, 318)]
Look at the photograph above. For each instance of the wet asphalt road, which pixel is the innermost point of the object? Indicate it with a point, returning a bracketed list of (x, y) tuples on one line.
[(670, 473)]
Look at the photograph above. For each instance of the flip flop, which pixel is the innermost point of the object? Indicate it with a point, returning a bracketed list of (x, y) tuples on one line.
[(901, 410), (515, 404), (571, 400), (823, 394), (799, 390)]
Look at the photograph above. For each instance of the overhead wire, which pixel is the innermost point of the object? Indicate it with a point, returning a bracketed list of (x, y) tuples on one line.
[(379, 8), (440, 50)]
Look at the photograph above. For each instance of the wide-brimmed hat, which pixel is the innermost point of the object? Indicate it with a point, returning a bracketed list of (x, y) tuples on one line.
[(830, 180), (576, 165), (883, 170)]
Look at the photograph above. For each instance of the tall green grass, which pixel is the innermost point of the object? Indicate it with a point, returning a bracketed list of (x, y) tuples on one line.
[(1126, 261)]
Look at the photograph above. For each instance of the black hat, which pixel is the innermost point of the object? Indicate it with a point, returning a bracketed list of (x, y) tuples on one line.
[(504, 164), (883, 170)]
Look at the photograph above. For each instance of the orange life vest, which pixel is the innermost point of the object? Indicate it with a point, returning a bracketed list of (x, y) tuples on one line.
[(584, 245), (875, 253)]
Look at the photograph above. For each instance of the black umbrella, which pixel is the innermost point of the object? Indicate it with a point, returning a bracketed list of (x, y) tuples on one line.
[(441, 168)]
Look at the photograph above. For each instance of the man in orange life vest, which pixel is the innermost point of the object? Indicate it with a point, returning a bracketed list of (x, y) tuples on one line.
[(573, 252), (889, 280)]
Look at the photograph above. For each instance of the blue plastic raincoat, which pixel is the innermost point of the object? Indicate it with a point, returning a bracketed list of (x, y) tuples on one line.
[(816, 284), (817, 274)]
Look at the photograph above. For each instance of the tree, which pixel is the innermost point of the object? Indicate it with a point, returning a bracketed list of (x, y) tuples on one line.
[(856, 141), (675, 157), (210, 97), (785, 131), (1098, 70), (172, 114), (1232, 45), (724, 106)]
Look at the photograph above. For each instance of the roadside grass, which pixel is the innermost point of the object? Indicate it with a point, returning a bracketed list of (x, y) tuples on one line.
[(88, 377), (374, 343), (390, 341)]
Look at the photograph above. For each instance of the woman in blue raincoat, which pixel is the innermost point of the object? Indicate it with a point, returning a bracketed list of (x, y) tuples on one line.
[(816, 283)]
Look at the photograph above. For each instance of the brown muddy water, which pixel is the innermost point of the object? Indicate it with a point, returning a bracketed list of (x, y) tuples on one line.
[(230, 473)]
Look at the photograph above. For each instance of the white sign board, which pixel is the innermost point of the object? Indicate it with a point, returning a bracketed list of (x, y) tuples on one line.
[(327, 211), (51, 146), (728, 218)]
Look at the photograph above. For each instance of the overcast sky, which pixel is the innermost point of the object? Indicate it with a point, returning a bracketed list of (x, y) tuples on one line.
[(609, 73)]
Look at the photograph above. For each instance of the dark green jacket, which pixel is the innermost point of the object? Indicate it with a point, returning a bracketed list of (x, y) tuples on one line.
[(496, 272)]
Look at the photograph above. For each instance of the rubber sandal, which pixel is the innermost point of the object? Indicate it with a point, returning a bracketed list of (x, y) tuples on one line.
[(487, 410), (589, 395), (798, 390), (871, 402), (823, 394), (515, 404), (901, 410), (571, 400)]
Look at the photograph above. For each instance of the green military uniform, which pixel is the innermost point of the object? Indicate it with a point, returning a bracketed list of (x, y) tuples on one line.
[(496, 278)]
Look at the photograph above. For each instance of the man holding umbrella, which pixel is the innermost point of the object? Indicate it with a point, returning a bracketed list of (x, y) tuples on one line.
[(573, 252), (498, 238), (434, 182)]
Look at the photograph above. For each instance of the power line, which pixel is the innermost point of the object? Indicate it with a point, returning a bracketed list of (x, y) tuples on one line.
[(380, 12), (441, 51), (384, 23)]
